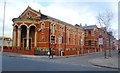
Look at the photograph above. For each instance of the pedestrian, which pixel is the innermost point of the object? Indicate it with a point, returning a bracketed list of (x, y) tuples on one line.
[(48, 53), (52, 54), (60, 52)]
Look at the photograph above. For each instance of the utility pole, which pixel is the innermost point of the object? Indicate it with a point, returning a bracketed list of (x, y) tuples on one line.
[(65, 40), (109, 44), (105, 43), (105, 51), (49, 39), (3, 25)]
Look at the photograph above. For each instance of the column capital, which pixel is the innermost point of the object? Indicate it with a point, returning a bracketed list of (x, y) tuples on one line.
[(36, 29), (19, 28), (14, 29)]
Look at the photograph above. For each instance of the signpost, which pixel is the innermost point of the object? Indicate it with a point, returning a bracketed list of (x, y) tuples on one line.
[(59, 42), (100, 41)]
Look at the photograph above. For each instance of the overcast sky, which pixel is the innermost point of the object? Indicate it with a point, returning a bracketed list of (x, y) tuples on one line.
[(70, 11)]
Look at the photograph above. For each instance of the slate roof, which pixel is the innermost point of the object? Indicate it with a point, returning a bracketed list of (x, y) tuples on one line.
[(90, 27), (62, 22), (43, 16)]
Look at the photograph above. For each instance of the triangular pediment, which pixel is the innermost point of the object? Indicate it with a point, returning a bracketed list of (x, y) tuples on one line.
[(30, 13)]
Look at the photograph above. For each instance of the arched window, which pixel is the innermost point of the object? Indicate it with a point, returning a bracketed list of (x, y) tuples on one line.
[(52, 28), (52, 39), (69, 40), (42, 27)]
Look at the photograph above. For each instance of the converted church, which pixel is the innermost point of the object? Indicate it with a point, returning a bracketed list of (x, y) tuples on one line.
[(35, 33)]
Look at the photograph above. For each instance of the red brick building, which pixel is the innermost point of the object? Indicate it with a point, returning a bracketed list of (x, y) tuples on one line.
[(91, 38), (35, 33), (95, 35)]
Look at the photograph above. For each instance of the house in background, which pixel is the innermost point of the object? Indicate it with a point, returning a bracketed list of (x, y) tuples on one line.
[(97, 39), (7, 42)]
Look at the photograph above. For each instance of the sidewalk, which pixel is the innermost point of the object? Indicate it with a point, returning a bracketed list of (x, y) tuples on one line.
[(22, 55), (38, 56), (111, 62), (34, 56)]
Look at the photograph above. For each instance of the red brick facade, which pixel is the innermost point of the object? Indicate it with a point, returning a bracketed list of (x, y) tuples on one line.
[(92, 36), (36, 33)]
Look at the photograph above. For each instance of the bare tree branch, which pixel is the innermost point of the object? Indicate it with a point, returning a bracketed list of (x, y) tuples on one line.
[(104, 19)]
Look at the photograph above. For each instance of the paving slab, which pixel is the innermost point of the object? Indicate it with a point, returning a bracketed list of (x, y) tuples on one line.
[(111, 62)]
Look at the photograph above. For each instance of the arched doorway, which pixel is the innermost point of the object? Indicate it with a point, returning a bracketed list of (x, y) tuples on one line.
[(31, 37), (23, 36)]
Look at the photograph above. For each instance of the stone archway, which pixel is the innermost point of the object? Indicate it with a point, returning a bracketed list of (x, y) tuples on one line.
[(31, 37), (23, 36)]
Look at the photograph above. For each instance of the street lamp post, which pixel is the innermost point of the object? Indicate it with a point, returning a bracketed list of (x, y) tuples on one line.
[(59, 42), (109, 45), (3, 26), (101, 43), (105, 50), (105, 44)]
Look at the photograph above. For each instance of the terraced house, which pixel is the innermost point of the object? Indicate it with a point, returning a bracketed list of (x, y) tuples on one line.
[(36, 33), (97, 39)]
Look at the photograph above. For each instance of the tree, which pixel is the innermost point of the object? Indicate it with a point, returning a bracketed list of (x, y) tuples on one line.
[(104, 20), (114, 32)]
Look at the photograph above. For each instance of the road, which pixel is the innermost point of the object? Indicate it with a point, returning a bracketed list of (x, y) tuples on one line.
[(79, 63), (79, 60), (0, 62)]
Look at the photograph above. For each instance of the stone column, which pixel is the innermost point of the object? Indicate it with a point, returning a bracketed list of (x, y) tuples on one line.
[(14, 37), (19, 37), (35, 43), (27, 48)]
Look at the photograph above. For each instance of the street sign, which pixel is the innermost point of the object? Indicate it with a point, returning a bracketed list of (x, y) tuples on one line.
[(59, 39), (100, 41), (82, 41), (59, 42)]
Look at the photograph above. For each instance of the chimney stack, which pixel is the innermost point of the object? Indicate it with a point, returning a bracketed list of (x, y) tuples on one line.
[(80, 24), (39, 11)]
